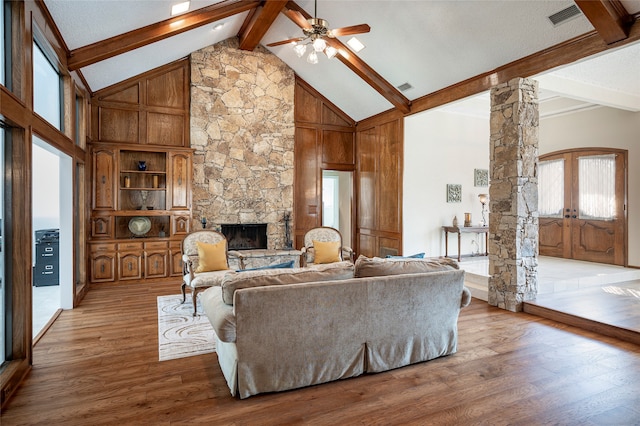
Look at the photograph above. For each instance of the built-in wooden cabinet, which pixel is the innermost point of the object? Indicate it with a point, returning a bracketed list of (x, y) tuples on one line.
[(141, 212)]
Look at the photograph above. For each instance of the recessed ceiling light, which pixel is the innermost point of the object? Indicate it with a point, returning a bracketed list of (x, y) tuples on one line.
[(218, 27), (355, 44), (179, 8)]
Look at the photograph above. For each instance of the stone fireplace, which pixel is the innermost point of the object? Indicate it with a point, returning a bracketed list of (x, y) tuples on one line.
[(245, 236), (242, 133)]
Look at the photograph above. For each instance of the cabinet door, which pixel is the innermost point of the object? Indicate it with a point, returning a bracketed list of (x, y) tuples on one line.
[(103, 179), (155, 264), (130, 266), (101, 227), (180, 224), (180, 181), (103, 267), (176, 259)]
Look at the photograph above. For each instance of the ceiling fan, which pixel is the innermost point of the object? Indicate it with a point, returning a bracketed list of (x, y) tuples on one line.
[(316, 31)]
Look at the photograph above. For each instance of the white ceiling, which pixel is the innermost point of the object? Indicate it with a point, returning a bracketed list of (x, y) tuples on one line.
[(429, 44)]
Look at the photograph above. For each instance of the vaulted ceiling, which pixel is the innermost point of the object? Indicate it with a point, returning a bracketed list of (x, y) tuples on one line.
[(431, 45)]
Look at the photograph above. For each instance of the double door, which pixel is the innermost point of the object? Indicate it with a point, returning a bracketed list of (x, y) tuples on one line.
[(582, 205)]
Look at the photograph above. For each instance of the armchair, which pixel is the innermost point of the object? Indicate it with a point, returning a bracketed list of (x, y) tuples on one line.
[(193, 278), (324, 234)]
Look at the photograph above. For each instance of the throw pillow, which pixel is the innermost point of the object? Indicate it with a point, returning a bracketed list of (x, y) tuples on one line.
[(212, 257), (326, 251), (413, 256), (288, 264)]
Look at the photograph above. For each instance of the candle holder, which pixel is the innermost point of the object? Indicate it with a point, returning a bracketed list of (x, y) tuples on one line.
[(203, 221), (467, 219)]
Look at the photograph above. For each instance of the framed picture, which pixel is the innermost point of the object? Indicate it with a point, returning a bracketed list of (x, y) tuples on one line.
[(454, 193), (480, 177)]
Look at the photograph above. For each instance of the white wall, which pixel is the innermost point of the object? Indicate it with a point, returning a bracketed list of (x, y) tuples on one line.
[(602, 127), (441, 148)]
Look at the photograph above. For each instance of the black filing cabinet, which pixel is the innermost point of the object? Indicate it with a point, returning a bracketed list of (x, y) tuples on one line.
[(46, 270)]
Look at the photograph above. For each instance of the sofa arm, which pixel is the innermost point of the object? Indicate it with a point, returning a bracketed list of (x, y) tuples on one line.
[(233, 254), (220, 315), (466, 297)]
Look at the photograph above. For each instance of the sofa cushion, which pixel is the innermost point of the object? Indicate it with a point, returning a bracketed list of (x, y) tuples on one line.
[(238, 280), (374, 267), (220, 315), (212, 257), (326, 251)]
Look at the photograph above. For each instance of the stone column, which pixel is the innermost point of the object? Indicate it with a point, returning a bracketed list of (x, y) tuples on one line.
[(513, 202)]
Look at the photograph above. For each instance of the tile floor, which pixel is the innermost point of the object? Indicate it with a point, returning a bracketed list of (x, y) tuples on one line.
[(554, 275), (46, 301)]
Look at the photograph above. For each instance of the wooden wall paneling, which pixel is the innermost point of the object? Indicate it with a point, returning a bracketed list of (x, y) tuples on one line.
[(367, 245), (331, 117), (164, 129), (389, 178), (129, 94), (388, 246), (118, 125), (366, 179), (307, 203), (167, 90), (338, 148), (307, 105)]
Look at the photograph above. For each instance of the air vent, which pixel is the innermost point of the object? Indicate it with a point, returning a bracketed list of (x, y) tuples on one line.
[(564, 15), (405, 86)]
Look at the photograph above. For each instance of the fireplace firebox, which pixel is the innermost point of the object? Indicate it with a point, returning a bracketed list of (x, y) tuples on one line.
[(245, 236)]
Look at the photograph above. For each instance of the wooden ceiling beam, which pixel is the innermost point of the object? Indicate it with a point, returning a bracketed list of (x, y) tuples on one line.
[(608, 17), (561, 54), (362, 69), (101, 50), (251, 35)]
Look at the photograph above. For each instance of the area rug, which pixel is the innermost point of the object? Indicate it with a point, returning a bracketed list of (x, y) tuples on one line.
[(180, 334)]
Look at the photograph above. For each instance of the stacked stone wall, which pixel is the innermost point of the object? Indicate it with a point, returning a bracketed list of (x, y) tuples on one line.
[(242, 130), (513, 223)]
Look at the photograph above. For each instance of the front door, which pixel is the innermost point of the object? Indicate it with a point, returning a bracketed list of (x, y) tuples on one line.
[(582, 205)]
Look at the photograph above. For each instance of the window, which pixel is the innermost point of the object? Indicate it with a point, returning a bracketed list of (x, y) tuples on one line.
[(47, 88), (597, 190), (5, 311), (551, 188)]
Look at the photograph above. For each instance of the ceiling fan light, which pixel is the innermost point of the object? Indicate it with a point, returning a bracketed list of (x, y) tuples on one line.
[(179, 8), (313, 57), (330, 51), (300, 49), (319, 44)]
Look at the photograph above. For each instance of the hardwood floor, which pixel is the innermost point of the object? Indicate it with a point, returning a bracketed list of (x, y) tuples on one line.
[(98, 364)]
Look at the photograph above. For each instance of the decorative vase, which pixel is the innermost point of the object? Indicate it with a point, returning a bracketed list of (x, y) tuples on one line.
[(142, 166), (455, 221)]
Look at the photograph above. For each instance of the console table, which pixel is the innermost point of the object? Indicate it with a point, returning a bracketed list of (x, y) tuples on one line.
[(463, 229)]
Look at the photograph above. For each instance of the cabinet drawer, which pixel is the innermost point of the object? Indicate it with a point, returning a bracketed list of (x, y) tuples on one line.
[(103, 247), (156, 245), (130, 246)]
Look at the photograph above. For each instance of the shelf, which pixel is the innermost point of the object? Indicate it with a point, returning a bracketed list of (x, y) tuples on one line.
[(148, 172), (124, 188)]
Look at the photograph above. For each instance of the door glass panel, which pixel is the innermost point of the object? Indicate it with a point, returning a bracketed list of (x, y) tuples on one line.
[(597, 191), (337, 196), (551, 188)]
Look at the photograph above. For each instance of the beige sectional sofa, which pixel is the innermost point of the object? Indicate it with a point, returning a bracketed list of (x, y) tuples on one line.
[(290, 328)]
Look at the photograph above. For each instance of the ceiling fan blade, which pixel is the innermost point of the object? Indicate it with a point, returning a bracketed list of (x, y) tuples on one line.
[(288, 41), (354, 29), (298, 18)]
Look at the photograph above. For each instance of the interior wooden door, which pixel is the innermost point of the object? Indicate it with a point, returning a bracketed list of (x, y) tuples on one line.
[(583, 205)]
